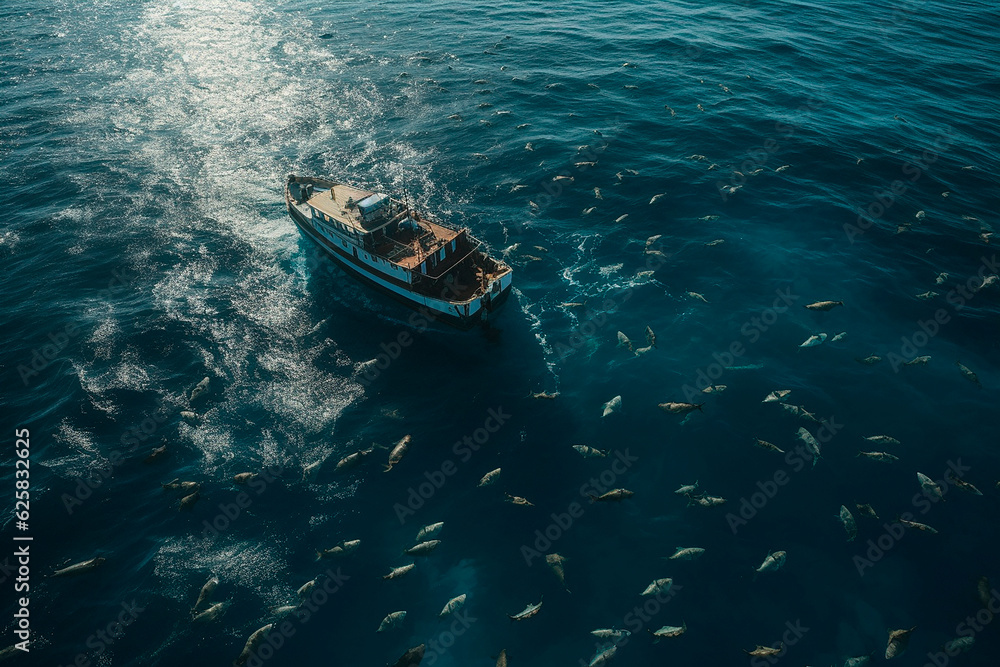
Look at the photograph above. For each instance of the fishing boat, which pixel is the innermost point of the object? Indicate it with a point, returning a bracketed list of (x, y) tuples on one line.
[(434, 267)]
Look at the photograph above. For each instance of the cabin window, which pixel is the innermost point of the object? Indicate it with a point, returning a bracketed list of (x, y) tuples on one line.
[(343, 243), (453, 246), (442, 254)]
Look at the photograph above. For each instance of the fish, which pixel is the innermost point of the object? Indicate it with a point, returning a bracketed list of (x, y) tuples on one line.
[(502, 658), (941, 277), (712, 244), (79, 568), (200, 389), (398, 571), (156, 454), (898, 640), (839, 337), (597, 191), (555, 563), (931, 488), (708, 218), (765, 651), (603, 658), (423, 549), (859, 661), (668, 631), (700, 108), (968, 374), (453, 605), (518, 500), (687, 553), (959, 645), (589, 210), (412, 657), (354, 459), (672, 112), (591, 453), (988, 281), (306, 588), (310, 469), (850, 525), (882, 457), (812, 445), (623, 341), (612, 406), (244, 477), (621, 218), (764, 444), (187, 502), (714, 389), (430, 531), (657, 198), (489, 478), (610, 633), (823, 305), (882, 439), (563, 177), (614, 495), (527, 612), (706, 501), (920, 215), (392, 621), (211, 613), (869, 360), (800, 411), (866, 511), (782, 168), (190, 417), (687, 489), (206, 591), (777, 395), (927, 295), (177, 485), (658, 586), (774, 562), (284, 609), (814, 340), (650, 336), (398, 451), (695, 295), (630, 87), (968, 487), (345, 548), (922, 527), (984, 591), (252, 642), (518, 186), (679, 408)]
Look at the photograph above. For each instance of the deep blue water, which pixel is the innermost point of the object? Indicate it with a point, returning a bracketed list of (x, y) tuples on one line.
[(143, 149)]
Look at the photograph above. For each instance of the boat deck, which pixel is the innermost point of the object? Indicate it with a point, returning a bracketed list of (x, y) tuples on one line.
[(411, 247), (333, 202)]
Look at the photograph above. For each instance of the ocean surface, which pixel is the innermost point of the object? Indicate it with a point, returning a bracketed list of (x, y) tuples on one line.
[(767, 155)]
